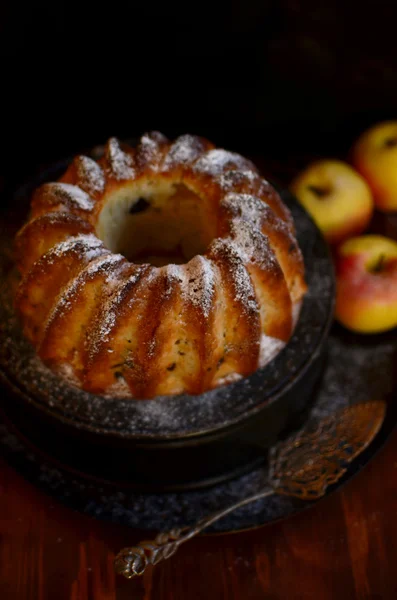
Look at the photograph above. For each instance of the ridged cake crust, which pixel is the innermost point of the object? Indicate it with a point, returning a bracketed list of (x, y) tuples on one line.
[(118, 328)]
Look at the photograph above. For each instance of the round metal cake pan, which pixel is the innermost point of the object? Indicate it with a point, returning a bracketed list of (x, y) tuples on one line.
[(176, 442)]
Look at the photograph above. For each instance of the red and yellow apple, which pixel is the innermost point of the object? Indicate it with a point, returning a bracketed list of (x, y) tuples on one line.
[(366, 271), (337, 197), (374, 155)]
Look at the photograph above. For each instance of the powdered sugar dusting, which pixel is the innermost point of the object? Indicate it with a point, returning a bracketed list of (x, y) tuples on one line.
[(252, 245), (235, 179), (255, 210), (229, 378), (118, 389), (53, 218), (107, 317), (174, 278), (184, 151), (214, 162), (118, 161), (66, 371), (173, 273), (150, 150), (230, 254), (246, 206), (269, 348), (66, 193), (148, 146), (250, 182), (198, 285), (105, 263), (89, 175), (87, 245)]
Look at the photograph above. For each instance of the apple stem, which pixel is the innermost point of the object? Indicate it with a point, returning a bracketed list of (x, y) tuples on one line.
[(391, 142), (320, 192), (379, 265)]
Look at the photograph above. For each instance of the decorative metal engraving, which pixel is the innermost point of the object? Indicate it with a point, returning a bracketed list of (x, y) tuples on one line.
[(131, 562), (303, 466), (310, 461)]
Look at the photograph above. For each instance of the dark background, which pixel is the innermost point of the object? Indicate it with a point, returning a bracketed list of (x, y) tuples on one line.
[(270, 77)]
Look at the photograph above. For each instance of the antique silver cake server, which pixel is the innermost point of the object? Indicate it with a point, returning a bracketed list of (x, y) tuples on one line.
[(302, 466)]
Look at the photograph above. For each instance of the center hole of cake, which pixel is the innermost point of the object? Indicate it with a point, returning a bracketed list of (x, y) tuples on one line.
[(156, 223)]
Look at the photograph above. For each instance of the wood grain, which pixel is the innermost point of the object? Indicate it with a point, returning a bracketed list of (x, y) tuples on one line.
[(344, 547)]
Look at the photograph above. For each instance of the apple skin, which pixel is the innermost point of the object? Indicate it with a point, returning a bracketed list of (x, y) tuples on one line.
[(366, 273), (337, 197), (374, 155)]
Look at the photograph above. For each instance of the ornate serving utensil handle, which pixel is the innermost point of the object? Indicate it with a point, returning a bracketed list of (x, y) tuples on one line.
[(302, 466), (131, 562)]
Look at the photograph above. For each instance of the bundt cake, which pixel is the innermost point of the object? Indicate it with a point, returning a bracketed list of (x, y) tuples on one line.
[(167, 268)]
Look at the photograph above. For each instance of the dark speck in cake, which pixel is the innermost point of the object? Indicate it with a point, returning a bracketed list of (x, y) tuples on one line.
[(140, 205)]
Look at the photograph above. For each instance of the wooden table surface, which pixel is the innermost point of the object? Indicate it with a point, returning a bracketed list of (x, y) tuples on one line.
[(345, 547)]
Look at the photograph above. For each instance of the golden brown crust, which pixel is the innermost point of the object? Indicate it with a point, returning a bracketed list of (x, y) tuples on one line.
[(69, 320), (242, 328), (61, 197), (111, 339), (42, 233), (139, 330), (87, 174), (248, 182), (150, 152), (253, 210), (183, 152), (43, 283), (271, 290)]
